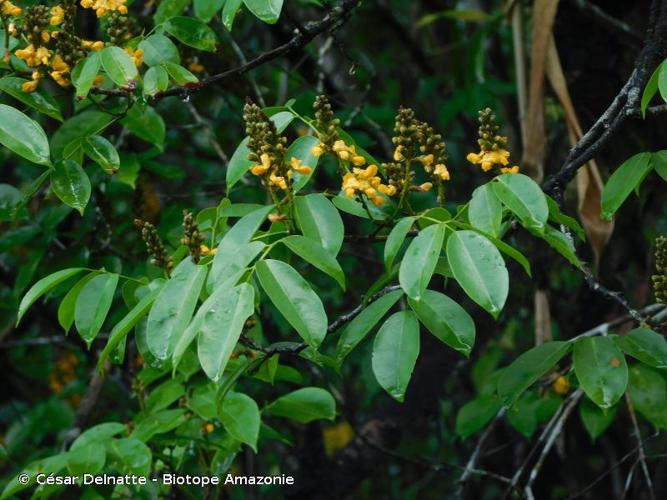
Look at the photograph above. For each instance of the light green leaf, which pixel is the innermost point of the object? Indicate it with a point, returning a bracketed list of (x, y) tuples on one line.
[(123, 327), (118, 65), (229, 12), (40, 99), (265, 10), (206, 9), (231, 266), (84, 74), (474, 415), (313, 253), (179, 74), (562, 244), (295, 299), (650, 89), (169, 8), (301, 149), (71, 184), (524, 198), (395, 352), (221, 328), (156, 80), (239, 163), (158, 49), (659, 162), (173, 308), (87, 459), (485, 211), (395, 240), (192, 32), (595, 419), (102, 152), (623, 181), (98, 434), (66, 307), (357, 329), (93, 304), (420, 259), (445, 319), (66, 141), (43, 286), (645, 345), (318, 219), (601, 370), (130, 455), (23, 135), (528, 368), (304, 405), (479, 268), (240, 416), (146, 124), (560, 218)]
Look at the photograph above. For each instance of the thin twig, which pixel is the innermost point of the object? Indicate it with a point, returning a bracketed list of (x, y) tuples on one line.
[(641, 453)]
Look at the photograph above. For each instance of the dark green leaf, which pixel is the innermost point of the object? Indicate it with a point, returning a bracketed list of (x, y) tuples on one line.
[(623, 181), (23, 135), (84, 74), (647, 389), (146, 124), (395, 240), (240, 416), (71, 184), (485, 211), (206, 9), (158, 49), (229, 12), (156, 80), (118, 65), (318, 219), (93, 304), (595, 419), (102, 152), (265, 10), (179, 74), (474, 415), (420, 260), (601, 370), (314, 253), (524, 198), (40, 99), (304, 405), (43, 286), (650, 89), (645, 345), (192, 32)]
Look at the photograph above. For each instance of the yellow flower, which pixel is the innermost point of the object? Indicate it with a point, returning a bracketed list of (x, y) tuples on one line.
[(427, 160), (59, 78), (98, 80), (34, 57), (318, 150), (46, 36), (561, 385), (488, 159), (295, 163), (278, 180), (261, 169), (57, 15), (103, 6), (389, 190), (342, 150), (9, 9), (441, 171), (366, 181), (205, 251), (358, 160), (137, 56), (510, 170), (398, 153), (30, 86), (426, 187), (366, 173), (59, 65)]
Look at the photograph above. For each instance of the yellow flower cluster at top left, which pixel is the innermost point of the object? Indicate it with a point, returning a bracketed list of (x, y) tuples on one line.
[(102, 7)]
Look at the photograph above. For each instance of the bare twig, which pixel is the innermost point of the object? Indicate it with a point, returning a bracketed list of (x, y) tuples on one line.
[(606, 20), (641, 456), (209, 131)]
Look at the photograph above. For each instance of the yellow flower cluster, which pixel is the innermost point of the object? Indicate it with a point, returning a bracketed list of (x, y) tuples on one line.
[(365, 181), (34, 56), (488, 159), (94, 46), (264, 167), (342, 150), (9, 9), (60, 68), (103, 6), (136, 55), (57, 16), (439, 170)]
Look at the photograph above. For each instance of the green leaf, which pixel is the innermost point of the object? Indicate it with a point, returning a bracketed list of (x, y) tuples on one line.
[(623, 181), (235, 251), (350, 206), (88, 459), (659, 162), (102, 152), (93, 304), (485, 211), (130, 455), (123, 327), (595, 419), (562, 244), (312, 252), (357, 329), (66, 307), (192, 32), (168, 9), (146, 124), (508, 250), (295, 299), (301, 149), (206, 9), (43, 286), (662, 81), (67, 139), (265, 10), (420, 259), (11, 203), (445, 319), (645, 345), (118, 65), (71, 184), (156, 80), (40, 99), (229, 12), (479, 268), (23, 135), (528, 368), (158, 49), (601, 370), (395, 352), (319, 220), (49, 465), (239, 163), (173, 308), (395, 240), (240, 416), (474, 415), (84, 74), (647, 389), (221, 328), (524, 198), (304, 405), (560, 218), (650, 89), (179, 74), (98, 434)]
